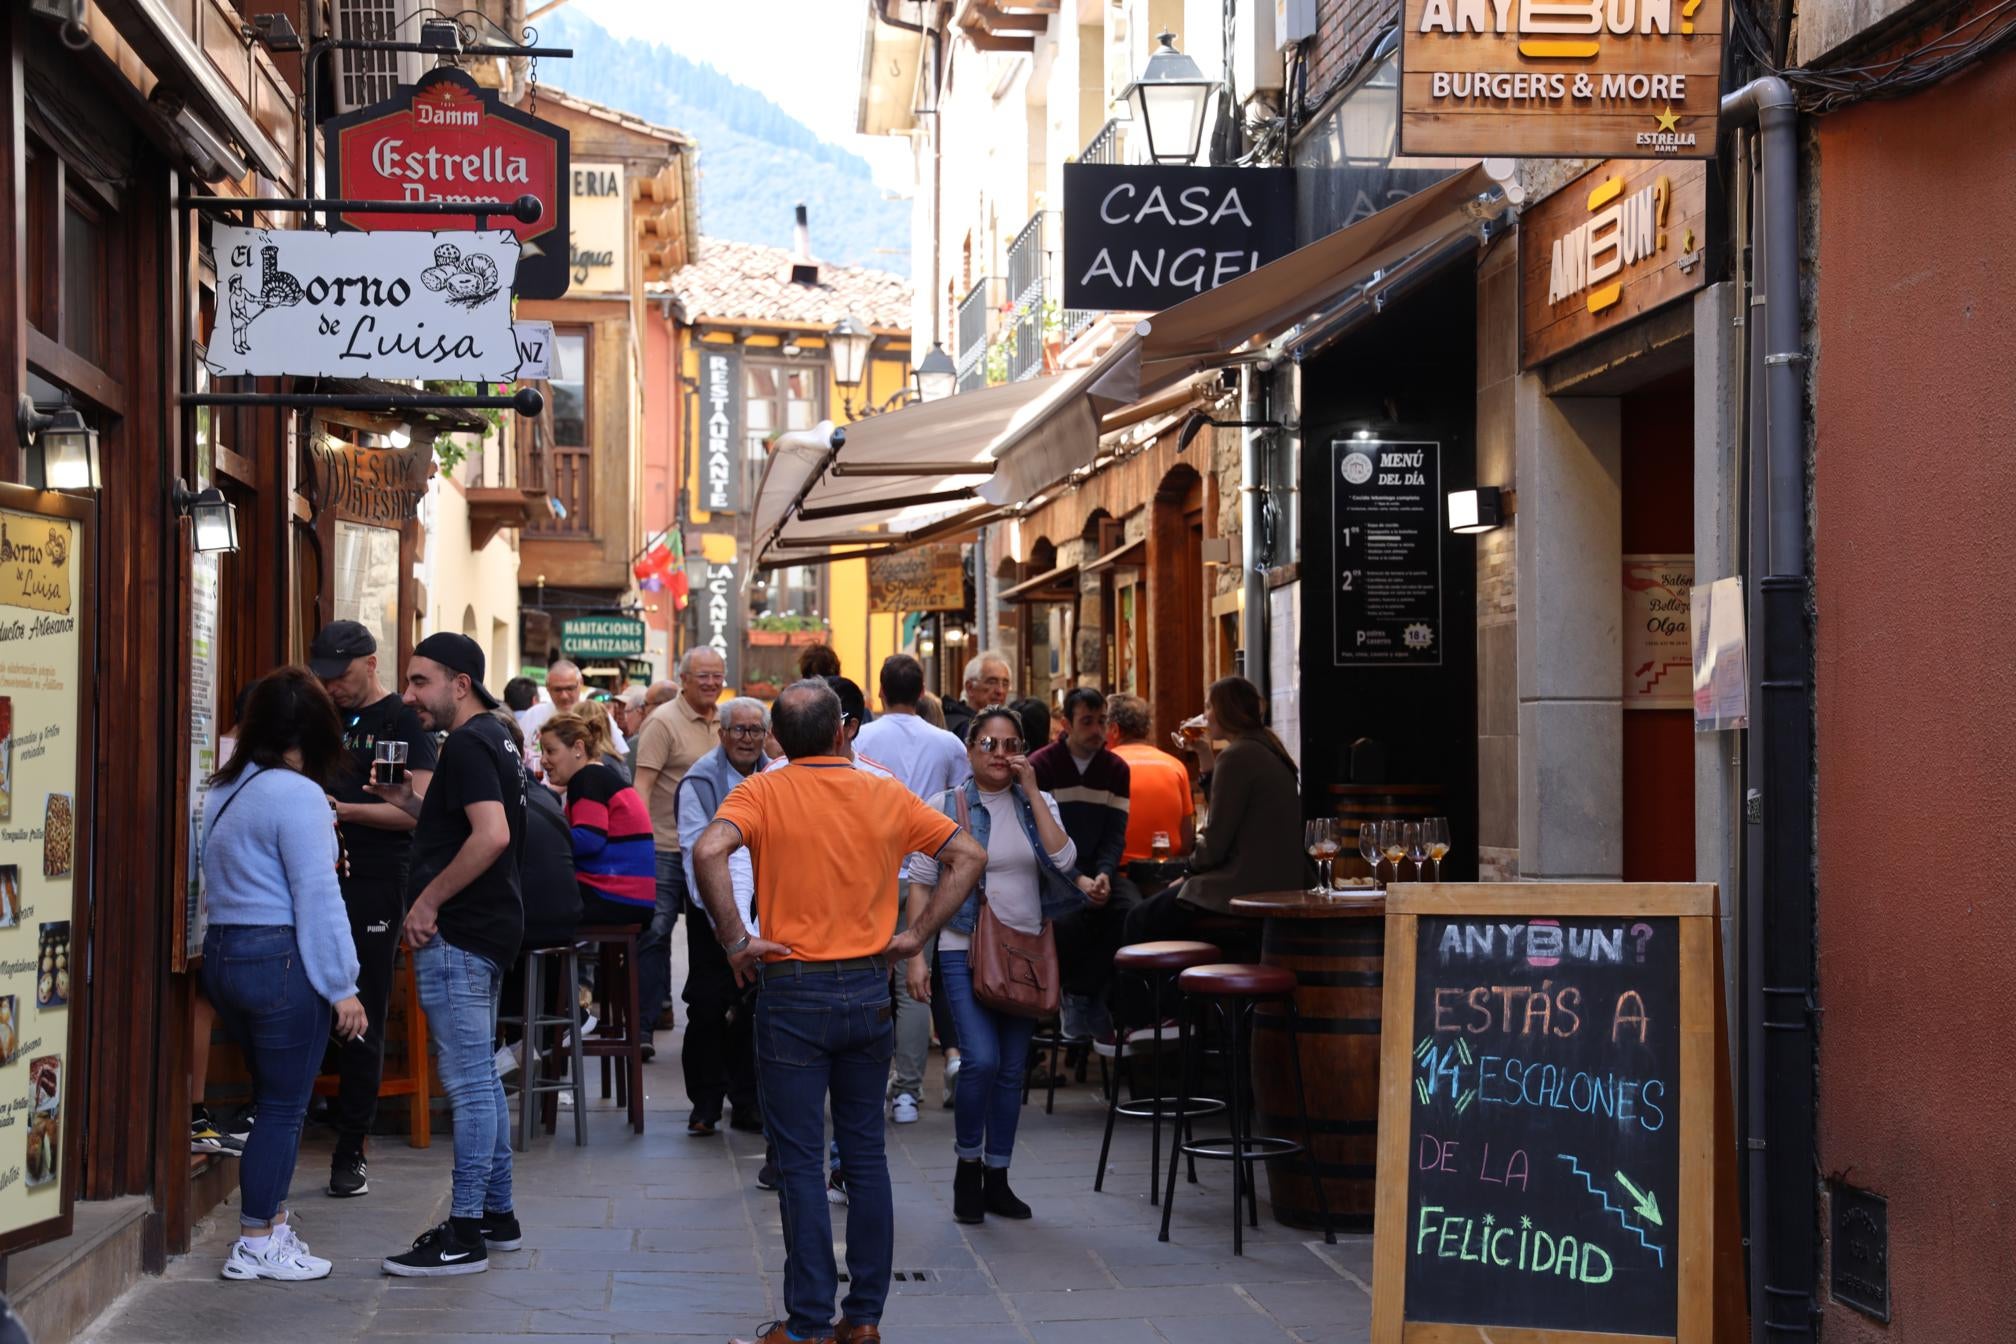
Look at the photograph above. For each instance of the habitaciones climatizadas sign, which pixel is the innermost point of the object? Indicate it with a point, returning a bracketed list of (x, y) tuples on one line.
[(1145, 236), (353, 305)]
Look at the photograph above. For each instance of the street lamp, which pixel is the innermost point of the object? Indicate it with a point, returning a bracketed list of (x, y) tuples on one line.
[(215, 518), (849, 343), (937, 375), (1169, 101)]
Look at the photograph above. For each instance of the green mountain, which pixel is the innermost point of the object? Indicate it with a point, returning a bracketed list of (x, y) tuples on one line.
[(756, 159)]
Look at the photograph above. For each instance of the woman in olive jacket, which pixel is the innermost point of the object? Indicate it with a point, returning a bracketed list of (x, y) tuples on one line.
[(1253, 839)]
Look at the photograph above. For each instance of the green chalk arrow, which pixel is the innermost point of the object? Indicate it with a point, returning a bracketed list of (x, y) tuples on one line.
[(1648, 1204)]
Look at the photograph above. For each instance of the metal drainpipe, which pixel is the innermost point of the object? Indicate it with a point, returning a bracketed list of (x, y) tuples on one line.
[(1252, 495), (1779, 970)]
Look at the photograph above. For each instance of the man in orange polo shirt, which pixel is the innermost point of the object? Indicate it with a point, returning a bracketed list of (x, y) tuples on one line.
[(826, 840), (1159, 794)]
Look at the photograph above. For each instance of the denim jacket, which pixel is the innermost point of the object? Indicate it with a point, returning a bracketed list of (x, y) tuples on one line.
[(1057, 890)]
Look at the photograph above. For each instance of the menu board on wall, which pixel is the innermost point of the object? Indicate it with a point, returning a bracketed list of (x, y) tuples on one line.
[(45, 633), (1386, 523), (1550, 1089)]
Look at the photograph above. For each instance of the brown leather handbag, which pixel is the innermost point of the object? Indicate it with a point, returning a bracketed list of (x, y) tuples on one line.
[(1013, 972)]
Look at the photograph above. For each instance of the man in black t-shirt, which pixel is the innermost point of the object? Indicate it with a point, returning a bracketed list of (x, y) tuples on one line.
[(464, 925), (376, 839)]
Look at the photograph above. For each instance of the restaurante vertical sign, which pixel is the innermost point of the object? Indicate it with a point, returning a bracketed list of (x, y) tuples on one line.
[(720, 429), (1386, 526)]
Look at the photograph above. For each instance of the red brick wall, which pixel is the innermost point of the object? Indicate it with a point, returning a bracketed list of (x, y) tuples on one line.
[(1343, 27)]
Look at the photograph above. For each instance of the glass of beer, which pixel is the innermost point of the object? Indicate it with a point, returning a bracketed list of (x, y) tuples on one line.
[(388, 765), (1158, 846)]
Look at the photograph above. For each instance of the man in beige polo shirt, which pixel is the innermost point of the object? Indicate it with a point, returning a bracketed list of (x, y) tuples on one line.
[(673, 737)]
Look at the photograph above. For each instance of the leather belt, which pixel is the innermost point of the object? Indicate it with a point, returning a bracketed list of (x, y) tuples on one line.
[(778, 970)]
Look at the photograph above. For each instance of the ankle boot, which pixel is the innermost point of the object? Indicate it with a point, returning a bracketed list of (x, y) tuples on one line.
[(969, 1199), (999, 1198)]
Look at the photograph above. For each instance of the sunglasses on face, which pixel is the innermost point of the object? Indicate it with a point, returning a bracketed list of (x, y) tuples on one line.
[(1010, 746)]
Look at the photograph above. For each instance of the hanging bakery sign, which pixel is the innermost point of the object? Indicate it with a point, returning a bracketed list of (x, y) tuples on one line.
[(1561, 78), (447, 138), (382, 305)]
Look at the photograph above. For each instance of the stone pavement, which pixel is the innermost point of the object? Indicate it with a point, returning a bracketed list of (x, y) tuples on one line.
[(666, 1238)]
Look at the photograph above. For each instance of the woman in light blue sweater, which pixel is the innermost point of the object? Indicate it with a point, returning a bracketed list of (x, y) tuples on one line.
[(277, 956)]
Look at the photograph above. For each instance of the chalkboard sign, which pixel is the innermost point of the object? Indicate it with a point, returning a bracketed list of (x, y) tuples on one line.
[(1547, 1098)]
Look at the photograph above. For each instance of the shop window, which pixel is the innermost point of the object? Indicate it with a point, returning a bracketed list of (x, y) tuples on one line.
[(777, 397), (570, 463), (85, 329), (367, 579)]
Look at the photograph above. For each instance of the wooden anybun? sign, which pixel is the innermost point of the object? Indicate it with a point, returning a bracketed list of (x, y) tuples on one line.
[(1561, 78)]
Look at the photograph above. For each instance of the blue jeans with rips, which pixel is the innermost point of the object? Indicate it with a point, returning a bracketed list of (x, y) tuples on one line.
[(253, 976), (822, 1035), (459, 991), (994, 1050)]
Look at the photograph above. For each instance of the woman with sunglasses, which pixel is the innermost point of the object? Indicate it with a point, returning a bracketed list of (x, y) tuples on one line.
[(1029, 878)]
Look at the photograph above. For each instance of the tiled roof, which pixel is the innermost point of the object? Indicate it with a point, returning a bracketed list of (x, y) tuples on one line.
[(748, 282)]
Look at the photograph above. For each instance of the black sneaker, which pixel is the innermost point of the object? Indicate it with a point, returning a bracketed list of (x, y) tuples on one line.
[(205, 1137), (347, 1176), (438, 1253), (501, 1231), (766, 1177)]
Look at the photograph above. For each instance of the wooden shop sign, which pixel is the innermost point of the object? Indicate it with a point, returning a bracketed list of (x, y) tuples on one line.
[(377, 486), (1561, 78), (1614, 244), (929, 578)]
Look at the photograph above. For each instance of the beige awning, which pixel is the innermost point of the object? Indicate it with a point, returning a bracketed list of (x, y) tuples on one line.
[(1248, 314)]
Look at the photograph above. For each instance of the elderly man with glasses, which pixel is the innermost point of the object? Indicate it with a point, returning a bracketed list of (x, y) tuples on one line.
[(719, 1054), (674, 737), (990, 680)]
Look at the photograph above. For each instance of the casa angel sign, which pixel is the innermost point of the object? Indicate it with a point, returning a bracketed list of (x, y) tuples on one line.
[(353, 305), (1634, 79)]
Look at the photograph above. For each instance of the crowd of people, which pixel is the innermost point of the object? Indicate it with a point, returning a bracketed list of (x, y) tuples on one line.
[(842, 875)]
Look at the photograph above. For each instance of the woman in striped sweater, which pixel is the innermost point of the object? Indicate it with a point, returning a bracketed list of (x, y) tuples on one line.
[(613, 859)]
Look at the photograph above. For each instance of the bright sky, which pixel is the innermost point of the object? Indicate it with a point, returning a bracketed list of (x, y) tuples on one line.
[(805, 55)]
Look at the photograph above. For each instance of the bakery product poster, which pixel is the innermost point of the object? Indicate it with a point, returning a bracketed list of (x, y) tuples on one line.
[(43, 835)]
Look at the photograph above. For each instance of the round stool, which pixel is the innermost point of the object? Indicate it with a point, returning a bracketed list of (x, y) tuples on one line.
[(1156, 965), (1234, 991)]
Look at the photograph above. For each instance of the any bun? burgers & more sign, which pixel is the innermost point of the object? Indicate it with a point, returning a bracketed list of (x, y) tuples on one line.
[(1632, 79)]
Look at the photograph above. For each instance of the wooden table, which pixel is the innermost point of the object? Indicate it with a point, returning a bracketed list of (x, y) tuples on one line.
[(1336, 946)]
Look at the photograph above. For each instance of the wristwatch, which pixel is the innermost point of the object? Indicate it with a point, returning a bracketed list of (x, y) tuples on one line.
[(732, 948)]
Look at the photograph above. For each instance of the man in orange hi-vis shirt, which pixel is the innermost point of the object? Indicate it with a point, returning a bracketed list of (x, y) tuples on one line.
[(825, 841)]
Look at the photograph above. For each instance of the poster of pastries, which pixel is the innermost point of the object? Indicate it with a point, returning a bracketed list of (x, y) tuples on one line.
[(45, 810)]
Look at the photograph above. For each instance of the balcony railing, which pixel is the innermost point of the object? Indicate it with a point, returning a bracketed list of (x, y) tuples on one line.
[(1027, 264), (973, 324), (570, 479), (1105, 146)]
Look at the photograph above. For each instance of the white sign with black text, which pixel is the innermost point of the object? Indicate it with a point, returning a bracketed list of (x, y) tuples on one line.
[(535, 350), (357, 305), (720, 428)]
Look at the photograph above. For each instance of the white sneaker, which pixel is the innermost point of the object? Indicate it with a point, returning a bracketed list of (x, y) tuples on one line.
[(284, 1257), (904, 1109), (952, 1078)]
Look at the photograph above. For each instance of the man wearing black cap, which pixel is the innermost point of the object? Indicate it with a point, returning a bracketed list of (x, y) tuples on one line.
[(377, 837), (464, 926)]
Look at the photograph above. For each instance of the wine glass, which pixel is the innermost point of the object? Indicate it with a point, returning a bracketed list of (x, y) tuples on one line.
[(1368, 847), (1321, 843), (1393, 844), (1417, 853), (1435, 838)]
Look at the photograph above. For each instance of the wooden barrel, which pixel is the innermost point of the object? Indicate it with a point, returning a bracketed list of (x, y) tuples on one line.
[(1359, 803), (1340, 965)]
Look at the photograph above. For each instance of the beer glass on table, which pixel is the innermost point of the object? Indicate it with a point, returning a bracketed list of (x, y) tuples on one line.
[(1435, 838), (1320, 839)]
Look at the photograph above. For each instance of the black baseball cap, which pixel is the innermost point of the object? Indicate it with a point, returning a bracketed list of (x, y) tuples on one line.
[(340, 641), (458, 653)]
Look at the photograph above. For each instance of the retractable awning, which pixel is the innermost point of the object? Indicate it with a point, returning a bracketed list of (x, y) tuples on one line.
[(937, 470), (1058, 585)]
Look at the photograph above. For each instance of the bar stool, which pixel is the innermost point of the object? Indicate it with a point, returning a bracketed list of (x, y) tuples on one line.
[(1156, 966), (620, 1039), (411, 1080), (1234, 991), (535, 1076)]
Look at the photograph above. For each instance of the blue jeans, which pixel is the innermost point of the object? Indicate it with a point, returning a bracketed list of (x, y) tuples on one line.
[(459, 991), (994, 1048), (821, 1034), (253, 976), (654, 947)]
